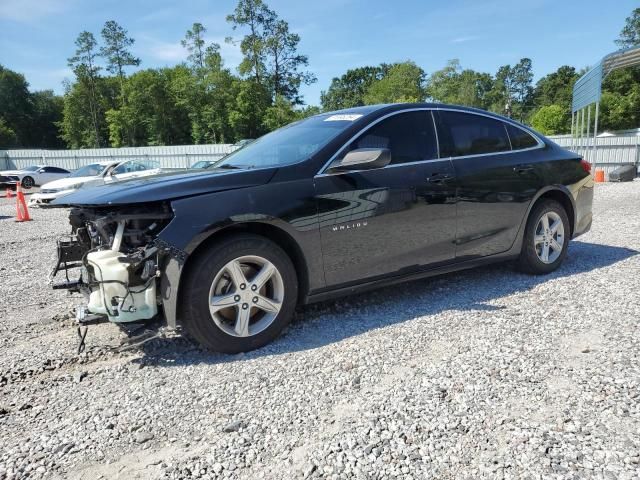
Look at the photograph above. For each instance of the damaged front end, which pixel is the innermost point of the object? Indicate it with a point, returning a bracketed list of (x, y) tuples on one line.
[(114, 259)]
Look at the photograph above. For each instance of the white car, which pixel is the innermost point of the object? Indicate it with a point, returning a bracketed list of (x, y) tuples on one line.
[(37, 174), (97, 173)]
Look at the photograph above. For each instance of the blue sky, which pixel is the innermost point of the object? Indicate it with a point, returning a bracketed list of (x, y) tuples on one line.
[(36, 36)]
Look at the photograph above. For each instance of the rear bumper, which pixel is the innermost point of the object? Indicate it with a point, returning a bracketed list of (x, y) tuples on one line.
[(583, 196)]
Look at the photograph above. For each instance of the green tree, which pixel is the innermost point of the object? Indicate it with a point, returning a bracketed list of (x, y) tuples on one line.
[(47, 113), (255, 16), (454, 85), (247, 113), (220, 87), (8, 138), (349, 90), (403, 82), (279, 114), (620, 102), (550, 120), (16, 107), (630, 34), (208, 95), (195, 44), (270, 51), (556, 88), (512, 90), (116, 52), (151, 115), (522, 86), (284, 61), (87, 73), (77, 126)]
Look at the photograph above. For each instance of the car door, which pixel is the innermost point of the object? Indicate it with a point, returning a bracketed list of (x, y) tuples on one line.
[(54, 173), (496, 183), (44, 175), (390, 220)]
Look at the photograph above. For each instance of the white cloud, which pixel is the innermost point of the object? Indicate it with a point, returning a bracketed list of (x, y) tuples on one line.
[(148, 46), (465, 39), (170, 52), (29, 10)]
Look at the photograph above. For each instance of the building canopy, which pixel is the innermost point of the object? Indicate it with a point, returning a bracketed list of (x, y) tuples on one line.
[(588, 88)]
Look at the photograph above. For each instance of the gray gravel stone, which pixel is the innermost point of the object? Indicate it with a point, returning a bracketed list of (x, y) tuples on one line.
[(143, 437)]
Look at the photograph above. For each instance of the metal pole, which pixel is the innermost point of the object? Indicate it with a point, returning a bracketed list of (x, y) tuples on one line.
[(595, 137), (579, 128), (588, 137), (579, 149), (573, 133), (582, 130)]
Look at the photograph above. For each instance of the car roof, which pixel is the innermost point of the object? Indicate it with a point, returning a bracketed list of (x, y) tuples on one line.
[(381, 109)]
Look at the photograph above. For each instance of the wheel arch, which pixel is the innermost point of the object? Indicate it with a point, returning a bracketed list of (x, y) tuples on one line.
[(562, 195), (267, 230), (559, 193)]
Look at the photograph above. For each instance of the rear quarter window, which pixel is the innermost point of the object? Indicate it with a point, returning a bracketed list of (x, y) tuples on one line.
[(520, 139)]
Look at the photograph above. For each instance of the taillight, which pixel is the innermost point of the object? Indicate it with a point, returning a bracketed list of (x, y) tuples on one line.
[(586, 166)]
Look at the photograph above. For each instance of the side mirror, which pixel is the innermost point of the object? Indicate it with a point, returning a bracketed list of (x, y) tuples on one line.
[(41, 170), (363, 159)]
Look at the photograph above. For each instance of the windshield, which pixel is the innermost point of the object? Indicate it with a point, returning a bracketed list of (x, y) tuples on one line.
[(92, 170), (203, 164), (133, 166), (31, 168), (290, 144)]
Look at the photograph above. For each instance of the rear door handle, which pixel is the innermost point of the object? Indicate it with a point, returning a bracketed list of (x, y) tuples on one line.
[(438, 177), (523, 169)]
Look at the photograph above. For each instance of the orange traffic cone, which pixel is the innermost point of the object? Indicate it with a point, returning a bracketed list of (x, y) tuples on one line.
[(22, 212), (599, 176), (9, 193)]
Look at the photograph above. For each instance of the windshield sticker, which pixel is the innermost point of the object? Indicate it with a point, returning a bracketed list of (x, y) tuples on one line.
[(343, 117)]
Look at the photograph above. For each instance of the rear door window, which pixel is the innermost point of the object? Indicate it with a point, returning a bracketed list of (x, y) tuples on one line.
[(462, 134)]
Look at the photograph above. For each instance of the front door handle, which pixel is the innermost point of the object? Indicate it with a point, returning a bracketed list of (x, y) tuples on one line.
[(438, 178), (522, 169)]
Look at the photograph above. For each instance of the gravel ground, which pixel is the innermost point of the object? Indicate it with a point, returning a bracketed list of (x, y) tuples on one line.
[(485, 373)]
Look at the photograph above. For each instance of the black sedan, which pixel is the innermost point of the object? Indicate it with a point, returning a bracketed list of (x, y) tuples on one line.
[(337, 203), (9, 182)]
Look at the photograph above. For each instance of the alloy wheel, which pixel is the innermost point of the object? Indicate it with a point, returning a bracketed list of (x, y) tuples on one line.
[(549, 237), (246, 296)]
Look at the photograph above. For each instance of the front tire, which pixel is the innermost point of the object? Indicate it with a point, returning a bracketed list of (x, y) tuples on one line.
[(28, 182), (239, 295), (546, 238)]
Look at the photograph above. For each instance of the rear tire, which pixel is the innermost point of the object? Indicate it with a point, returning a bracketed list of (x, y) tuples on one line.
[(28, 182), (239, 295), (546, 238)]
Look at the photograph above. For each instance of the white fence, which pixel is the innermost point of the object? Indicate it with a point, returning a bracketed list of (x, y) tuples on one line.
[(180, 156), (610, 153)]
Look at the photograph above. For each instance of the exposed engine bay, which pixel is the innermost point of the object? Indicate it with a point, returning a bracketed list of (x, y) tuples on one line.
[(118, 259)]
